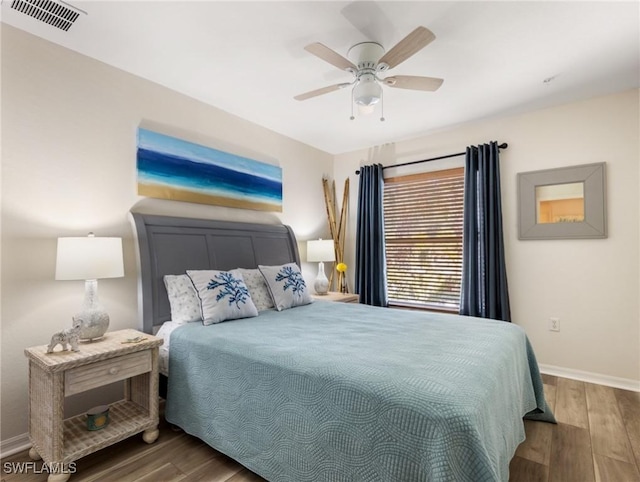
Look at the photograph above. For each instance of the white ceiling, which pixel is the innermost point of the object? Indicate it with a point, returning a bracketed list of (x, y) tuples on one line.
[(248, 58)]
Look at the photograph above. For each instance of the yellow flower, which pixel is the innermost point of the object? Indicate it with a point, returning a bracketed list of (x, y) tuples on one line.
[(341, 267)]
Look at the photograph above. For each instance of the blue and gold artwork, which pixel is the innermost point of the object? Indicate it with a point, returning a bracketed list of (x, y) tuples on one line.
[(170, 168)]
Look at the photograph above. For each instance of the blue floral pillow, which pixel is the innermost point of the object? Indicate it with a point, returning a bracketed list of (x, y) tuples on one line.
[(223, 295), (286, 285)]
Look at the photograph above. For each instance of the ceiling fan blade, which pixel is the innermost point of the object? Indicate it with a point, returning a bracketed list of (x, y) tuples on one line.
[(323, 90), (411, 44), (413, 82), (328, 55)]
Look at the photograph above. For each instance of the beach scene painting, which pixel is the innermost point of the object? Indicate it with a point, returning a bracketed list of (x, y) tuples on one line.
[(171, 168)]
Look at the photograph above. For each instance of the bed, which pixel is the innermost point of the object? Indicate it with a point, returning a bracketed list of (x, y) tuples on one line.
[(334, 391)]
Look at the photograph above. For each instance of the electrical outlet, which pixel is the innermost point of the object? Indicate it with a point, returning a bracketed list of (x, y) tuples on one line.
[(554, 324)]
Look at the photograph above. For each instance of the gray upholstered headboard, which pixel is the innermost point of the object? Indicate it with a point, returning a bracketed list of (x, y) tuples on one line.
[(171, 245)]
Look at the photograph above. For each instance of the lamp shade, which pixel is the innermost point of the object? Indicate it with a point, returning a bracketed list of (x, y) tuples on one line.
[(320, 250), (89, 258)]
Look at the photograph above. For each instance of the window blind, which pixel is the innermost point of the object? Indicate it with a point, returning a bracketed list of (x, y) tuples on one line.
[(423, 216)]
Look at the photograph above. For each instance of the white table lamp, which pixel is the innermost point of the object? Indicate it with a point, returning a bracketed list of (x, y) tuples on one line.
[(90, 258), (319, 251)]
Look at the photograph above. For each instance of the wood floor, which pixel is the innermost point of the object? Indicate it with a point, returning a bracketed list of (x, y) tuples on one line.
[(597, 438)]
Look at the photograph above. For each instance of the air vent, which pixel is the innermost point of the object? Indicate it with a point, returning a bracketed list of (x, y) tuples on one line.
[(59, 14)]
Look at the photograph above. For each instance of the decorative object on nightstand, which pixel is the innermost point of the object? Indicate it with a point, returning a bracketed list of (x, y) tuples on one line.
[(90, 258), (319, 251), (341, 268), (98, 417), (68, 336), (337, 227)]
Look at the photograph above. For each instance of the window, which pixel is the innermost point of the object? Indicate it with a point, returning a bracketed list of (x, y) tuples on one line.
[(423, 234)]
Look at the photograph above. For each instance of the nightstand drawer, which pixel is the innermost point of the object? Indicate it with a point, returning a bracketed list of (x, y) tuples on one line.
[(101, 373)]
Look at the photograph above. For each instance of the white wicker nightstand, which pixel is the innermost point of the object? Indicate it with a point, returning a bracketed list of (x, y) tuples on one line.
[(54, 376), (336, 296)]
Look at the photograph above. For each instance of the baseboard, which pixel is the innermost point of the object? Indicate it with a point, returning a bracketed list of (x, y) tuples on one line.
[(609, 381), (14, 445)]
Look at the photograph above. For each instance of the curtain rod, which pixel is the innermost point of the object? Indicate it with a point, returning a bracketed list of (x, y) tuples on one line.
[(504, 145)]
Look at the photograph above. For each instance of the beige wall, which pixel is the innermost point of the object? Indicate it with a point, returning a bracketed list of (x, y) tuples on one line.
[(591, 285), (68, 167)]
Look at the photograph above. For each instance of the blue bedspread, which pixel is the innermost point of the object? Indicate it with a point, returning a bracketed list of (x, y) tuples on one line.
[(347, 392)]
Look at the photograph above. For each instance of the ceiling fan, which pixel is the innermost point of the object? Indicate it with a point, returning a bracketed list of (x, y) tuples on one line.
[(369, 60)]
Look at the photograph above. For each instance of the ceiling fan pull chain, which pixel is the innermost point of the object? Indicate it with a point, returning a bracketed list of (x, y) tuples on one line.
[(381, 106)]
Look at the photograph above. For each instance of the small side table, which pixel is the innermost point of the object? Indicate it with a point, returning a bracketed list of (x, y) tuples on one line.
[(54, 376), (338, 297)]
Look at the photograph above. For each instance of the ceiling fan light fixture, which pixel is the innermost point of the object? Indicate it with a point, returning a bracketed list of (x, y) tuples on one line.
[(366, 109), (366, 61), (367, 91)]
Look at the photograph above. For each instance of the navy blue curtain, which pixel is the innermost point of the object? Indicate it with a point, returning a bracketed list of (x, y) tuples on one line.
[(371, 266), (484, 275)]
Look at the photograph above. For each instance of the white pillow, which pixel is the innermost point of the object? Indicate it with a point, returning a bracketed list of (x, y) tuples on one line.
[(257, 288), (286, 285), (183, 300), (223, 295), (166, 329)]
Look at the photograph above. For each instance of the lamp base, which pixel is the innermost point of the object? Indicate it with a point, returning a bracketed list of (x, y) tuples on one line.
[(94, 323), (93, 318), (321, 284)]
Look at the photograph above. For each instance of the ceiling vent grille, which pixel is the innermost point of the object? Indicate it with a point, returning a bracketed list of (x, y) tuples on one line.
[(57, 14)]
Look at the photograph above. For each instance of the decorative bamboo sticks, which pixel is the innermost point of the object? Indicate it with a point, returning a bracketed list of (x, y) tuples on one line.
[(337, 229)]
